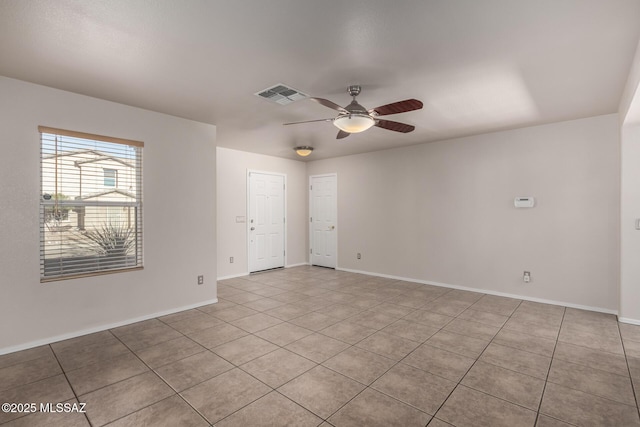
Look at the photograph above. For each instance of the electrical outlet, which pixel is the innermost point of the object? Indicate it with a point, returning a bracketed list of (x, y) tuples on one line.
[(527, 277), (200, 280), (358, 255), (231, 260)]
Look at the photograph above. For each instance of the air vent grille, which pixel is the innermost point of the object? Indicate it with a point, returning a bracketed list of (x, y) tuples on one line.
[(281, 94)]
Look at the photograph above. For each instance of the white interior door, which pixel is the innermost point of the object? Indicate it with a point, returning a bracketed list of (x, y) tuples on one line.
[(323, 220), (266, 221)]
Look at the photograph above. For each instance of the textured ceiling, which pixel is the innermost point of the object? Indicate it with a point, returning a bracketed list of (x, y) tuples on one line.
[(478, 65)]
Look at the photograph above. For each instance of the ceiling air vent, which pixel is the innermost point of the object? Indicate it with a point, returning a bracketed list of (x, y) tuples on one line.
[(281, 94)]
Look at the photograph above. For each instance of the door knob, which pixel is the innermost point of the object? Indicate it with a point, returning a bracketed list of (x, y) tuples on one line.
[(332, 227), (253, 228)]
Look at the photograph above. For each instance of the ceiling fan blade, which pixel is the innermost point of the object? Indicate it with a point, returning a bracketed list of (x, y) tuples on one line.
[(397, 107), (342, 134), (329, 104), (308, 121), (395, 126)]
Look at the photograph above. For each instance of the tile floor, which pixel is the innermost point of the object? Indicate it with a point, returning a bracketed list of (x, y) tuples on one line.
[(309, 346)]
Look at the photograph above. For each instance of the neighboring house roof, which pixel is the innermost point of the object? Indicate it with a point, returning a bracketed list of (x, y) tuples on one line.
[(101, 156), (104, 193)]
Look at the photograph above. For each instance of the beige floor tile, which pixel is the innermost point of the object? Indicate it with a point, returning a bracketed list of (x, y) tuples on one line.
[(233, 313), (495, 304), (287, 312), (456, 343), (123, 398), (267, 291), (243, 297), (609, 362), (28, 372), (484, 317), (244, 349), (536, 329), (264, 304), (530, 343), (132, 328), (219, 306), (469, 408), (256, 322), (187, 372), (413, 331), (371, 408), (283, 334), (391, 346), (195, 323), (373, 319), (472, 329), (104, 373), (24, 356), (545, 421), (521, 361), (505, 384), (629, 332), (416, 387), (149, 337), (593, 381), (271, 410), (223, 395), (317, 347), (340, 311), (583, 409), (360, 365), (348, 332), (314, 321), (608, 343), (438, 423), (632, 348), (393, 310), (542, 318), (429, 318), (278, 367), (54, 389), (290, 297), (213, 337), (180, 316), (169, 351), (440, 362), (321, 390), (172, 411), (447, 307), (78, 356)]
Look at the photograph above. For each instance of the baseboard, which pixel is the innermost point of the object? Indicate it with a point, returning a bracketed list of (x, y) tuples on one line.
[(629, 321), (296, 265), (101, 328), (235, 276), (486, 291)]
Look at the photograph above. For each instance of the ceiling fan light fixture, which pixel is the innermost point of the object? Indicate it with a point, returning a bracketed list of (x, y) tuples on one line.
[(354, 123), (303, 151)]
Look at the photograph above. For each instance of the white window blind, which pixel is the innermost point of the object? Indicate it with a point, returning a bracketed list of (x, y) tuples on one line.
[(90, 204)]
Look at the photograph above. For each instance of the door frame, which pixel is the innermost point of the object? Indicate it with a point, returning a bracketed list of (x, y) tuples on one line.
[(248, 213), (335, 175)]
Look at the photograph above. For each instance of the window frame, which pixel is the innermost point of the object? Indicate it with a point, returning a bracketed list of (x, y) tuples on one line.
[(52, 203)]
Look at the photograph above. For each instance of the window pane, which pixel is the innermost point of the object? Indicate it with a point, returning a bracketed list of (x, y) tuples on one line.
[(91, 206)]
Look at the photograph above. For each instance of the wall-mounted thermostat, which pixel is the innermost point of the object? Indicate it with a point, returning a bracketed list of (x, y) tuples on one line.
[(524, 202)]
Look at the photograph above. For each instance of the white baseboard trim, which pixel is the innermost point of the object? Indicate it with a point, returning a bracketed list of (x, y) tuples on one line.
[(629, 321), (233, 276), (101, 328), (486, 291), (297, 265)]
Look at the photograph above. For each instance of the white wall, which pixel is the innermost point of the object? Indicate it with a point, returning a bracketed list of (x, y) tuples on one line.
[(232, 167), (179, 218), (630, 197), (443, 212)]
